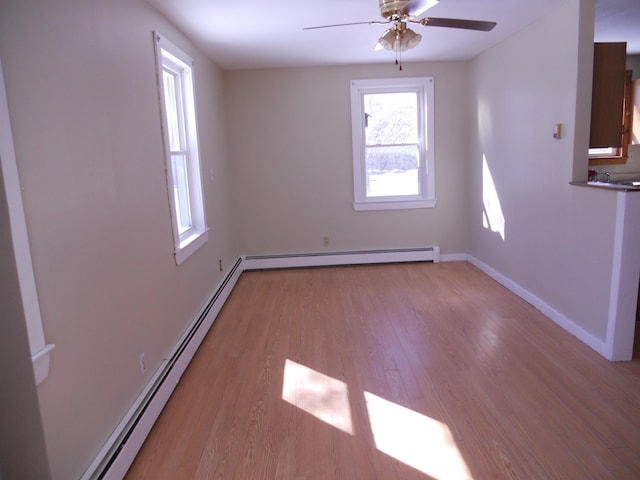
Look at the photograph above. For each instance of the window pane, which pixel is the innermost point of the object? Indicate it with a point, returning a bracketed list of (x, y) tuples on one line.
[(603, 152), (391, 118), (392, 171), (171, 107), (181, 192)]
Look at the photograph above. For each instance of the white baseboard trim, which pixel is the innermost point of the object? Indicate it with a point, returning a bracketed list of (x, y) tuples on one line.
[(570, 326), (325, 259), (118, 453)]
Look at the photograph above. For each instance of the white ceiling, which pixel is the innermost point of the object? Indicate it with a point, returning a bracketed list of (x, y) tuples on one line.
[(619, 21), (262, 34)]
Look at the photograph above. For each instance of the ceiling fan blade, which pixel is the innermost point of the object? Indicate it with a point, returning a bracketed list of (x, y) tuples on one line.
[(373, 22), (416, 8), (457, 23)]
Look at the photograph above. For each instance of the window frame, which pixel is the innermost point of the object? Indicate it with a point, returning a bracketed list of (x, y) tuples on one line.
[(174, 61), (424, 88), (38, 347)]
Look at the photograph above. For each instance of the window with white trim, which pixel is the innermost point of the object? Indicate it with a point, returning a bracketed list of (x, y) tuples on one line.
[(180, 137), (393, 143)]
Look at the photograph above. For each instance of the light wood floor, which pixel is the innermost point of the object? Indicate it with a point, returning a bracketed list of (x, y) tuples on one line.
[(414, 371)]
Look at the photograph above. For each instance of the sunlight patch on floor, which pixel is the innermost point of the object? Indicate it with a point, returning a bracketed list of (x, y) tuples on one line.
[(324, 397), (415, 439)]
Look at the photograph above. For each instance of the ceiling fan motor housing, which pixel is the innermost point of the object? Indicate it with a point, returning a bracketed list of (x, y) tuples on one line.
[(390, 8)]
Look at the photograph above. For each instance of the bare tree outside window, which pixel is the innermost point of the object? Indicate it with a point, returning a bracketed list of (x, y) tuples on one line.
[(392, 141)]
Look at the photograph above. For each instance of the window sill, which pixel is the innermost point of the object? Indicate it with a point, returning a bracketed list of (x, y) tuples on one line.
[(40, 362), (595, 161), (189, 246), (394, 205)]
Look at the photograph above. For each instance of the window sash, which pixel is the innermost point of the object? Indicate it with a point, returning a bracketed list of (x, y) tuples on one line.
[(392, 193), (175, 82), (174, 108), (388, 177), (379, 128), (421, 193), (182, 198)]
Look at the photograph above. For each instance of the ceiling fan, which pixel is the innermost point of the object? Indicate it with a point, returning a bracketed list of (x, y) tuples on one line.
[(399, 13)]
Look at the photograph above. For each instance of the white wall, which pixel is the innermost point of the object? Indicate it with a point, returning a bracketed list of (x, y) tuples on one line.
[(558, 238), (290, 140), (633, 64), (81, 87)]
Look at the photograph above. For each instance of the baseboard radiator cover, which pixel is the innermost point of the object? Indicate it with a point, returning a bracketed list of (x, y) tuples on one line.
[(120, 450), (123, 445), (357, 257)]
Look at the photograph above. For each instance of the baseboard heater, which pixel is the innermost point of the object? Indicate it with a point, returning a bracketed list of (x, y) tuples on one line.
[(120, 450), (357, 257)]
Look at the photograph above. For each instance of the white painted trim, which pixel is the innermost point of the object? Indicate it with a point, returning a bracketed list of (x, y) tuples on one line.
[(325, 259), (192, 244), (39, 349), (425, 90), (615, 275), (624, 279), (126, 440), (563, 321), (167, 53), (394, 205), (41, 363)]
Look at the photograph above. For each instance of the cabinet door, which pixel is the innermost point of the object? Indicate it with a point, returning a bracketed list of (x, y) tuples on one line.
[(608, 94)]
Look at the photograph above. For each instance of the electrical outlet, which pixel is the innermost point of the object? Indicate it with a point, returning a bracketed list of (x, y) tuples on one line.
[(325, 240), (143, 363)]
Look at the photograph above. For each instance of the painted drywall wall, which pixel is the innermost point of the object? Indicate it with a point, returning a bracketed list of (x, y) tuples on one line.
[(633, 64), (290, 144), (81, 87), (558, 238)]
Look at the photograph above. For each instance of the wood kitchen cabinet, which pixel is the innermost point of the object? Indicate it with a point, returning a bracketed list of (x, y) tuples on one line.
[(608, 94)]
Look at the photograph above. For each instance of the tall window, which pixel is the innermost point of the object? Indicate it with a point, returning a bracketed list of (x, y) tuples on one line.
[(393, 154), (175, 81)]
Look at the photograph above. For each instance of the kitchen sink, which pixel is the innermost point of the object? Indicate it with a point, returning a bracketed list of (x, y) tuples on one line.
[(632, 184), (635, 183)]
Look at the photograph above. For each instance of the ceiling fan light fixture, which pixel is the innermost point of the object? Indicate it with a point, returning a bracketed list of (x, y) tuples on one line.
[(409, 39), (388, 40)]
